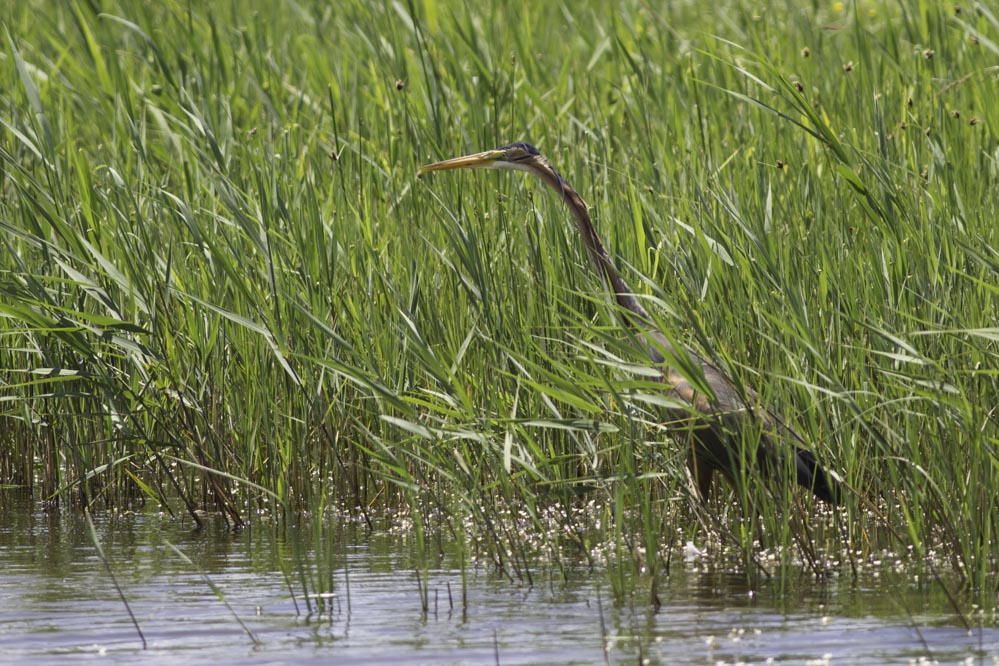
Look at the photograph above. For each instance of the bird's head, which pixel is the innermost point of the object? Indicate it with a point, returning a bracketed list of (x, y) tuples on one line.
[(515, 156)]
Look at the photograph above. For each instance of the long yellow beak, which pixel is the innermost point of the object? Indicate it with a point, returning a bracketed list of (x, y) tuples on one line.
[(476, 161)]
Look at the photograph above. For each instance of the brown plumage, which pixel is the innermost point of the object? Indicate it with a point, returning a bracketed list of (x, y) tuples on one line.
[(719, 417)]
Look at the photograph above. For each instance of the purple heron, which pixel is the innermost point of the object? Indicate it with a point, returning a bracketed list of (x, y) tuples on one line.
[(715, 415)]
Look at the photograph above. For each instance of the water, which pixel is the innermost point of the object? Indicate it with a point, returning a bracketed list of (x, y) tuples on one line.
[(58, 605)]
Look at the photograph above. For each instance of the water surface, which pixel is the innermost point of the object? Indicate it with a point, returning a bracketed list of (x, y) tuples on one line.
[(58, 605)]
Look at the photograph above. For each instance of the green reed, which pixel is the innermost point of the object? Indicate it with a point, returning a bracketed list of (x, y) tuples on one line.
[(223, 287)]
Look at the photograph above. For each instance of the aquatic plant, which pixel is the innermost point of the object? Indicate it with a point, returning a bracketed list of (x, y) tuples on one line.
[(224, 290)]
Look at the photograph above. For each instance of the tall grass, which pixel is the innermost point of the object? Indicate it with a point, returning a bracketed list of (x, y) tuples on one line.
[(223, 288)]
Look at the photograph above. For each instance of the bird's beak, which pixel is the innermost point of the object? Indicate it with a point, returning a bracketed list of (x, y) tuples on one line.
[(477, 161)]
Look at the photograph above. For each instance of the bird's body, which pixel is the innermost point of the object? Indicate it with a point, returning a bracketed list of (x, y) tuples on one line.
[(723, 426)]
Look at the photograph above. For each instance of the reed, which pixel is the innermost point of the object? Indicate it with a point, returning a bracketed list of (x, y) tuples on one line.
[(224, 289)]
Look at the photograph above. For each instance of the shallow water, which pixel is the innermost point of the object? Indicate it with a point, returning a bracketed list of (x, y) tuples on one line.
[(58, 605)]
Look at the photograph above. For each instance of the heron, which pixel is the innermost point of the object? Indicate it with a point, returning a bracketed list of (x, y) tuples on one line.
[(715, 417)]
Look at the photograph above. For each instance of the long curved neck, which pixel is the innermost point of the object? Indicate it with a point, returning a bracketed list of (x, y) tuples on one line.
[(598, 254)]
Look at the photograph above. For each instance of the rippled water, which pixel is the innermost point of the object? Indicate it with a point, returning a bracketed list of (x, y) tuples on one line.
[(58, 605)]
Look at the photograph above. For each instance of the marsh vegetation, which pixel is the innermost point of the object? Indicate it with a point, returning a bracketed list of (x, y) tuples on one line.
[(224, 291)]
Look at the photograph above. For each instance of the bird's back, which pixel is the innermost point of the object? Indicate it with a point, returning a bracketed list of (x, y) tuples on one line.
[(727, 425)]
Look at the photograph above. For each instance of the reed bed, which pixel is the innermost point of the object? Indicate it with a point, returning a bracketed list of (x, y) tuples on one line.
[(223, 289)]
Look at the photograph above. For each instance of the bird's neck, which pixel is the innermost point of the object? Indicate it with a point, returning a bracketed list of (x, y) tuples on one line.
[(598, 253)]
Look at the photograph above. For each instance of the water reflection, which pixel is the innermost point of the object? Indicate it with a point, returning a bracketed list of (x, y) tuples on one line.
[(58, 605)]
